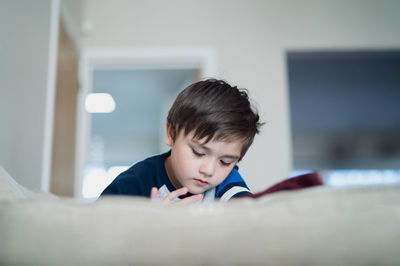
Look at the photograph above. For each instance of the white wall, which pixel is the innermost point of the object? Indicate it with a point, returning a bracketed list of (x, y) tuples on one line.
[(251, 38), (24, 90)]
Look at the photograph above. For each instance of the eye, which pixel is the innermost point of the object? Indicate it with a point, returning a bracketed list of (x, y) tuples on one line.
[(225, 163), (198, 154)]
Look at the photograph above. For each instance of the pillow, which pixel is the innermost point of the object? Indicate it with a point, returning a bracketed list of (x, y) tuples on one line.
[(321, 226), (297, 182), (9, 188)]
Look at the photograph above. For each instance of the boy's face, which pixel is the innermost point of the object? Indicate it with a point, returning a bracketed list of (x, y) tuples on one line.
[(199, 166)]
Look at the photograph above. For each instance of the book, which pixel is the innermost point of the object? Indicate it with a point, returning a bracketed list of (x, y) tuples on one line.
[(294, 183)]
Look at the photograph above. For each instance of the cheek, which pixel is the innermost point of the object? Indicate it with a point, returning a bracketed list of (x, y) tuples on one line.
[(190, 167), (223, 173), (185, 167)]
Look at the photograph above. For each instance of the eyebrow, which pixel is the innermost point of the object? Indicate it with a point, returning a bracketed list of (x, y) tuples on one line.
[(227, 156)]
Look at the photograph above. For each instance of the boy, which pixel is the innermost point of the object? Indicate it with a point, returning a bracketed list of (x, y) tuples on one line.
[(210, 126)]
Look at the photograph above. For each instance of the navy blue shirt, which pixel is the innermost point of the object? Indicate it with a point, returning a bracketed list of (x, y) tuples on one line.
[(141, 177)]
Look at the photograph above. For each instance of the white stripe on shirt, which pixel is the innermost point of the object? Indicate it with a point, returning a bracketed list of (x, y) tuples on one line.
[(232, 192), (163, 191)]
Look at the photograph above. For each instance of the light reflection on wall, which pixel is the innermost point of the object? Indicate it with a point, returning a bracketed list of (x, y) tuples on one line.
[(359, 177), (96, 179), (354, 177)]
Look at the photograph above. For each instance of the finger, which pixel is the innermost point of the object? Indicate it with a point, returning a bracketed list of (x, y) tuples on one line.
[(174, 194), (153, 193), (191, 199)]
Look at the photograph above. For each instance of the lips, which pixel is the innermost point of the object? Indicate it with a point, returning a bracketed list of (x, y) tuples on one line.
[(200, 182)]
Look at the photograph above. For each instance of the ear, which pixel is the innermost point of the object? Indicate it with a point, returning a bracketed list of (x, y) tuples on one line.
[(170, 136)]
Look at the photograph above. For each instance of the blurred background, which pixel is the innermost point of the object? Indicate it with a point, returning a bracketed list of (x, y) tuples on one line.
[(86, 85)]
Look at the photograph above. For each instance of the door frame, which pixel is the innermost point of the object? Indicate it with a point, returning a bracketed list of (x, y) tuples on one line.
[(202, 58)]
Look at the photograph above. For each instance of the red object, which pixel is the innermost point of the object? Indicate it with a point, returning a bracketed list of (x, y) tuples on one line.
[(297, 182)]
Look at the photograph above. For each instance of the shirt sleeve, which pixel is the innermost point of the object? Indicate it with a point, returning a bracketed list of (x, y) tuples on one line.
[(125, 184), (233, 186)]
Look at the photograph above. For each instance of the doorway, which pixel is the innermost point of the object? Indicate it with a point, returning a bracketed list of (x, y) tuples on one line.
[(141, 89)]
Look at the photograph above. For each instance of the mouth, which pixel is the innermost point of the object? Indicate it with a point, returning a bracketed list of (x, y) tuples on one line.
[(200, 182)]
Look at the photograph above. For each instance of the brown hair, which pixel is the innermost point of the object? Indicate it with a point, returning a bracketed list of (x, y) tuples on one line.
[(213, 108)]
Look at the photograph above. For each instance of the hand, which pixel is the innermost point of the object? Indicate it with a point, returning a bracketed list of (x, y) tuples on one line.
[(175, 194)]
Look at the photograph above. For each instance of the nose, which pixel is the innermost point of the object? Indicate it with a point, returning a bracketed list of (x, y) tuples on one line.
[(207, 167)]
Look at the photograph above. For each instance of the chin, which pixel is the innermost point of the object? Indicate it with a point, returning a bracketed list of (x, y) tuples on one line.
[(197, 190)]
